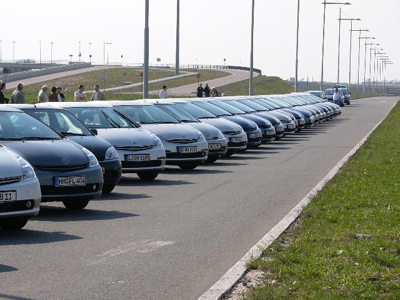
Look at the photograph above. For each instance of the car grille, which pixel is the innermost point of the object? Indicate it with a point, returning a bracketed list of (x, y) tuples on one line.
[(231, 132), (186, 155), (15, 206), (232, 144), (182, 141), (9, 180), (141, 164), (70, 190), (63, 168), (134, 148), (254, 139)]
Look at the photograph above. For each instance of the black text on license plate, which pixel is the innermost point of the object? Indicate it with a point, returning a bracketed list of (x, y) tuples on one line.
[(8, 196), (188, 149), (214, 146), (70, 181), (137, 157)]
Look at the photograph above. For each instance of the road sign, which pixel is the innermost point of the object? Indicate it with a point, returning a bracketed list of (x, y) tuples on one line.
[(198, 75), (141, 74)]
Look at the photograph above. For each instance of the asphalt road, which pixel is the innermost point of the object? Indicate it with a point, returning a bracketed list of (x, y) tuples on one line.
[(175, 237)]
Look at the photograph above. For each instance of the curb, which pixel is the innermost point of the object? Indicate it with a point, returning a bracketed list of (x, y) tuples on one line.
[(233, 276)]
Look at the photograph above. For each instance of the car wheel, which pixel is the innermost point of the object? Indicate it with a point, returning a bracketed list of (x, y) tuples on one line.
[(107, 188), (190, 165), (212, 159), (13, 224), (79, 204), (148, 175)]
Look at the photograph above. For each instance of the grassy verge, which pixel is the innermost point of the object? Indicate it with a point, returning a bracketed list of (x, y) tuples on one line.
[(346, 242)]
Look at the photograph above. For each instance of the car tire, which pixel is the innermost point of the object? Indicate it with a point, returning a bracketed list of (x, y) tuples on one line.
[(212, 159), (148, 175), (13, 224), (75, 205), (190, 165), (107, 188)]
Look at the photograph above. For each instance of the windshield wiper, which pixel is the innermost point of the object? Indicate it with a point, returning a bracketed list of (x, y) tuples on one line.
[(113, 123), (72, 133)]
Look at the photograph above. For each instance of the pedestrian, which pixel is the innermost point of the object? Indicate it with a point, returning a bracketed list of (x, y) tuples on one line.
[(3, 98), (60, 96), (53, 96), (200, 90), (18, 95), (214, 92), (164, 92), (97, 95), (80, 95), (337, 97), (42, 96), (207, 91)]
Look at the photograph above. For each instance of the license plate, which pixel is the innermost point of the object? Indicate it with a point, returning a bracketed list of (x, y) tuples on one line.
[(8, 196), (254, 135), (214, 146), (235, 139), (137, 157), (71, 181), (291, 126), (189, 149)]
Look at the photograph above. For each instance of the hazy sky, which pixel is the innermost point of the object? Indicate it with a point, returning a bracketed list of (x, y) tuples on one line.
[(211, 31)]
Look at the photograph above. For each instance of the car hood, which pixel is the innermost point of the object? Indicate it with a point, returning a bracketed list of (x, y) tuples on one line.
[(249, 125), (173, 131), (209, 132), (223, 125), (10, 166), (96, 145), (126, 136), (49, 153)]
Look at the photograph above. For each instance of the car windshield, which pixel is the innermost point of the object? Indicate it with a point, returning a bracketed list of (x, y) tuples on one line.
[(196, 111), (232, 109), (329, 92), (61, 120), (343, 91), (253, 104), (240, 106), (178, 113), (102, 117), (21, 126), (147, 114), (219, 112)]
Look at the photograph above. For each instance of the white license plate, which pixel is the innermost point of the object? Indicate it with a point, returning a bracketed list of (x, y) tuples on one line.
[(214, 146), (254, 135), (291, 126), (71, 181), (235, 139), (188, 149), (137, 157), (8, 196)]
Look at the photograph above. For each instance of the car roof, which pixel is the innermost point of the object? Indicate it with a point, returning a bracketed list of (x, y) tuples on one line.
[(23, 106), (9, 108), (129, 102), (75, 104)]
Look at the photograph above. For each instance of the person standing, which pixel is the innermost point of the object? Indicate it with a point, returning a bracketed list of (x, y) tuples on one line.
[(80, 95), (200, 90), (18, 95), (164, 92), (3, 99), (53, 96), (60, 96), (98, 95), (337, 96), (42, 96), (214, 92), (207, 91)]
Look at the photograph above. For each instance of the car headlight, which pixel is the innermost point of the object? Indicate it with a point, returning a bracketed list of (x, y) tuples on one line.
[(27, 170), (200, 136), (220, 135), (111, 153), (157, 142), (92, 159)]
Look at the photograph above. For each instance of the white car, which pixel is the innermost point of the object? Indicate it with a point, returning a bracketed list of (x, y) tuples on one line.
[(139, 150), (184, 145), (20, 194)]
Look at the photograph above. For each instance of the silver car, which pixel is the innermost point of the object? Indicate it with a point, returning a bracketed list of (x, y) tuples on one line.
[(139, 150), (19, 190), (184, 145)]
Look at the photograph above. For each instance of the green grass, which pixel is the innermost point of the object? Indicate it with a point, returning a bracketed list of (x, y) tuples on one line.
[(346, 242)]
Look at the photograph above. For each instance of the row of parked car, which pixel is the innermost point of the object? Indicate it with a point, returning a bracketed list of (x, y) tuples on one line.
[(76, 151), (328, 94)]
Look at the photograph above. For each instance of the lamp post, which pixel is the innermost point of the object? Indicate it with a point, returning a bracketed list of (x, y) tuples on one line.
[(146, 52), (365, 58), (388, 62), (70, 58), (104, 52), (378, 69), (251, 50), (79, 53), (323, 38), (358, 56), (13, 51), (351, 31), (40, 51), (51, 52), (296, 74), (177, 37), (90, 52), (371, 76)]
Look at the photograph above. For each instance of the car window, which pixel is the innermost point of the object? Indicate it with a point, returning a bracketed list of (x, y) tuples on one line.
[(147, 114), (177, 112)]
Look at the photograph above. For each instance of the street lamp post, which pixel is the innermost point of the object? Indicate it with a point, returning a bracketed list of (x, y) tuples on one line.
[(90, 53), (358, 56), (251, 50), (51, 52), (79, 53), (40, 51), (297, 47), (323, 38), (104, 52), (13, 51), (365, 58), (177, 37)]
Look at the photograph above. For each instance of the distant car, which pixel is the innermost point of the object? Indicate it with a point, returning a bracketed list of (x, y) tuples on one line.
[(68, 125), (346, 95), (319, 94), (339, 86), (185, 146), (139, 150), (19, 190), (66, 171), (329, 94)]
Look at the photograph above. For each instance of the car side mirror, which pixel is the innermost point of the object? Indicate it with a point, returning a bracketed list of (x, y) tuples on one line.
[(94, 131)]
